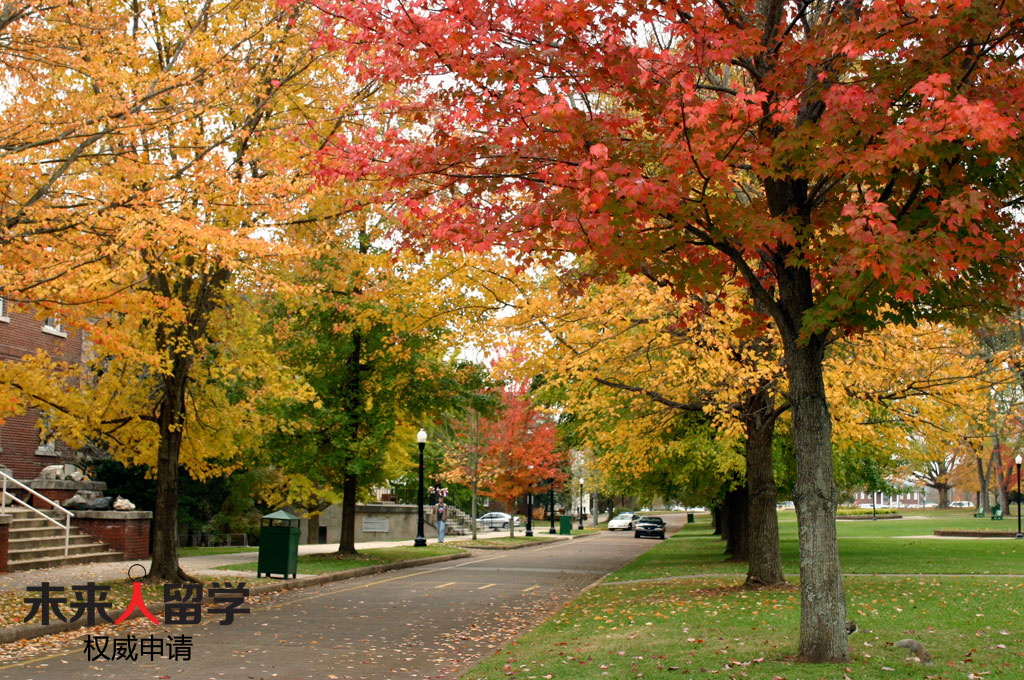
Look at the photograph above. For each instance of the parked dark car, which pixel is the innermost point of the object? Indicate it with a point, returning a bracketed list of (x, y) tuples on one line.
[(650, 526)]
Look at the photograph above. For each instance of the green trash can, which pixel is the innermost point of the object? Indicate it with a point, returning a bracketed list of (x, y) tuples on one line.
[(565, 525), (689, 518), (279, 545)]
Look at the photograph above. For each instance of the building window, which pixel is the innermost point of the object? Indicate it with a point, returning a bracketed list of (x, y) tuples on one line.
[(4, 311), (47, 447), (53, 326)]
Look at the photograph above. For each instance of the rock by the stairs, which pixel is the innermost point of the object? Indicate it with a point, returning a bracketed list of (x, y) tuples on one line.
[(52, 472), (76, 502), (62, 471), (123, 504), (101, 503)]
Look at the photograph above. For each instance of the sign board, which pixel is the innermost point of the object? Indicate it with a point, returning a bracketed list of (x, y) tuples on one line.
[(375, 524)]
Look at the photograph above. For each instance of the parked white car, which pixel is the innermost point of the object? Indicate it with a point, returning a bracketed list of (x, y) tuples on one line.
[(624, 520), (495, 520)]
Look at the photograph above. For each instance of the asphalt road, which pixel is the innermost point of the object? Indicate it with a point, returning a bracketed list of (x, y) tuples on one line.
[(429, 622)]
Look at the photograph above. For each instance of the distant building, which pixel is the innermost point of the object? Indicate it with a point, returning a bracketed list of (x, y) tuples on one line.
[(911, 498), (23, 450)]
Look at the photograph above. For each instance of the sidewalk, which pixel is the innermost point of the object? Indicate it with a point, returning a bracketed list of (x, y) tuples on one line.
[(205, 565)]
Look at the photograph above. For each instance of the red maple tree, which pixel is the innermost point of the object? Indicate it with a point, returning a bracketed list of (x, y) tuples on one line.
[(851, 162), (522, 452)]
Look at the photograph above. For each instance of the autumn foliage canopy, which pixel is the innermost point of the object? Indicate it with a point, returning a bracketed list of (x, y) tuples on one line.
[(521, 454), (851, 163)]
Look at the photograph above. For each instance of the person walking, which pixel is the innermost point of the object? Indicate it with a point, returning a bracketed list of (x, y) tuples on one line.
[(442, 511)]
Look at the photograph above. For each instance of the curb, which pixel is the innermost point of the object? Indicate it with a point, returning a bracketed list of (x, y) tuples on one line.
[(516, 547), (32, 630)]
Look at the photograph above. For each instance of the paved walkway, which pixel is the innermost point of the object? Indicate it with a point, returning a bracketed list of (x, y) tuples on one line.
[(198, 565), (432, 621)]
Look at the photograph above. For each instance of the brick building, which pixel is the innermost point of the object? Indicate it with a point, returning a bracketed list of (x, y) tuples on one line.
[(22, 450)]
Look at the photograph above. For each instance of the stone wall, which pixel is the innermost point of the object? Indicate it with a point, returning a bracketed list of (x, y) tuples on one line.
[(124, 531), (59, 490), (399, 520)]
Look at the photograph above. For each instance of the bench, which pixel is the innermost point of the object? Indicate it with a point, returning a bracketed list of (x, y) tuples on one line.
[(980, 512), (997, 512)]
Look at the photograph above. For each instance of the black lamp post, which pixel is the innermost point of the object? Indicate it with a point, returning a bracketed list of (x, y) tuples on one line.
[(421, 541), (1018, 461), (529, 503), (581, 504), (551, 504), (529, 512)]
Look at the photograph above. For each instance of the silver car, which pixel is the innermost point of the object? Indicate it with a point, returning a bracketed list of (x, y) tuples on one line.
[(496, 520)]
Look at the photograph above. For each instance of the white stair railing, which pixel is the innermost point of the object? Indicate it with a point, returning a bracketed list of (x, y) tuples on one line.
[(5, 479), (461, 519)]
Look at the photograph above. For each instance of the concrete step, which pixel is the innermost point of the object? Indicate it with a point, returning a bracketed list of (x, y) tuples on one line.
[(19, 510), (31, 530), (85, 558), (23, 519), (36, 543), (21, 542), (51, 551)]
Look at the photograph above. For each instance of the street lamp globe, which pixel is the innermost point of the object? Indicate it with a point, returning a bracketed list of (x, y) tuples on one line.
[(421, 436)]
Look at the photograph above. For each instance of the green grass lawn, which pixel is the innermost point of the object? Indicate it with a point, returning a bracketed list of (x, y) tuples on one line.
[(327, 563), (960, 597), (194, 551), (712, 629), (898, 546)]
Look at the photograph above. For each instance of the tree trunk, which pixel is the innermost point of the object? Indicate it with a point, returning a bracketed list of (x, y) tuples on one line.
[(472, 504), (983, 485), (823, 603), (997, 460), (765, 562), (350, 486), (716, 521), (736, 516), (475, 446), (165, 567), (347, 545), (177, 341)]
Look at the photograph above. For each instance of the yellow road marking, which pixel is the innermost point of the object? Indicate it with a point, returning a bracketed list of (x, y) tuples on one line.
[(489, 585), (531, 588), (445, 585)]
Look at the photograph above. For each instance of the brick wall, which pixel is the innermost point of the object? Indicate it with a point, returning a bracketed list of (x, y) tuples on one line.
[(126, 532), (60, 490), (22, 333), (56, 495), (5, 524)]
